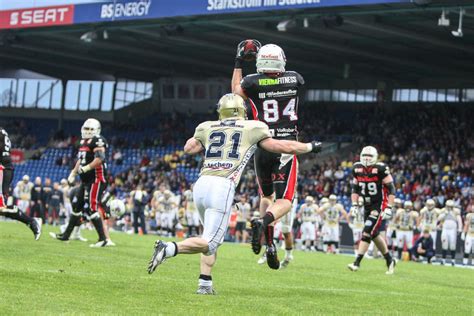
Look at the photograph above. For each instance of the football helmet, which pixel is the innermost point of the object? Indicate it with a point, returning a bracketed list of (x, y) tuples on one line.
[(117, 207), (231, 105), (90, 128), (397, 202), (26, 178), (271, 59), (333, 199), (324, 200), (368, 156), (430, 204), (309, 199), (449, 204), (408, 205)]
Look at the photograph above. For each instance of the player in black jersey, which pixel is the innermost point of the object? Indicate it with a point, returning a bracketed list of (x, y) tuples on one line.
[(92, 169), (273, 94), (7, 208), (373, 182)]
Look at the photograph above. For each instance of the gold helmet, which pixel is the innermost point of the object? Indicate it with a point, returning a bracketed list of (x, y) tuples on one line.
[(231, 105)]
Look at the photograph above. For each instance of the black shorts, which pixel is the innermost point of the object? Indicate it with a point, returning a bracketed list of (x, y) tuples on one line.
[(6, 177), (89, 197), (272, 177), (240, 226)]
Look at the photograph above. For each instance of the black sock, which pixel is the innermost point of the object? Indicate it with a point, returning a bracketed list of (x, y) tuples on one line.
[(358, 259), (74, 220), (444, 254), (388, 258), (99, 227), (400, 253), (453, 254), (267, 229), (18, 216), (205, 277), (336, 245)]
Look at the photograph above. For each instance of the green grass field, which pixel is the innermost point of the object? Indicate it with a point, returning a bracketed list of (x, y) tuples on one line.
[(50, 277)]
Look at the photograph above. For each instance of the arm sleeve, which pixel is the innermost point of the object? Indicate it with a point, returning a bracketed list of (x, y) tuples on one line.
[(200, 134), (391, 188), (354, 184)]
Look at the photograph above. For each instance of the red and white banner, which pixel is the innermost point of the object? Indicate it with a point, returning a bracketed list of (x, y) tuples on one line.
[(17, 155), (36, 17)]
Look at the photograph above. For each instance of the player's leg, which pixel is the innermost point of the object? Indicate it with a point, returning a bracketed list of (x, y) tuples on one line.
[(205, 278), (452, 245), (335, 238), (468, 249), (401, 236), (77, 204), (7, 208), (326, 237), (286, 225), (444, 245), (95, 196)]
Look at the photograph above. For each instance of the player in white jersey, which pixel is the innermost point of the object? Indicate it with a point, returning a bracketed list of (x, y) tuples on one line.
[(451, 224), (169, 211), (308, 212), (331, 214), (192, 215), (22, 193), (405, 221), (428, 219), (357, 224), (391, 234), (155, 206), (229, 144), (468, 236)]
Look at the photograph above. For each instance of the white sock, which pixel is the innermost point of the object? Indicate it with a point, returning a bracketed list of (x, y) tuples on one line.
[(170, 249), (205, 282), (288, 253), (465, 261)]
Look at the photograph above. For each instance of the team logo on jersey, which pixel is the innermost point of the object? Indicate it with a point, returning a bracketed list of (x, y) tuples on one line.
[(100, 143), (276, 94), (375, 171), (219, 165)]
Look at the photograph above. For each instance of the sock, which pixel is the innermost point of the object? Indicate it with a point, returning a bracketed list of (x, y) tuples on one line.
[(267, 229), (453, 254), (358, 259), (465, 260), (388, 258), (171, 249), (288, 252), (73, 221), (444, 254), (400, 253), (325, 247), (99, 227), (18, 216), (205, 280)]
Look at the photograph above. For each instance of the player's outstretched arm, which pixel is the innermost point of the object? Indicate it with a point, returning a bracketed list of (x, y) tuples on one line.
[(289, 146), (193, 146)]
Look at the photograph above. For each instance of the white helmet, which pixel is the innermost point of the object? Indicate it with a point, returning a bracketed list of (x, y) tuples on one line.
[(26, 178), (368, 156), (398, 202), (117, 207), (90, 128), (324, 200), (271, 59), (332, 198), (408, 205), (449, 203), (430, 203), (309, 199)]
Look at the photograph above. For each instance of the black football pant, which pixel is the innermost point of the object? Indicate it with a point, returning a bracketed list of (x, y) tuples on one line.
[(6, 177)]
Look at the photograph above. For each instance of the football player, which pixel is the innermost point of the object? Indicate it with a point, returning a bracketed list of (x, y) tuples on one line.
[(391, 234), (468, 236), (243, 214), (91, 166), (405, 221), (22, 193), (451, 224), (357, 224), (7, 208), (331, 214), (308, 227), (229, 144), (192, 215), (372, 180), (169, 211), (428, 219), (274, 95), (155, 205)]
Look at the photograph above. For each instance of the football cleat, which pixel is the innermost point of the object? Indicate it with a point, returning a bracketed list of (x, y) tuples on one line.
[(353, 267), (99, 244), (206, 290), (272, 257), (110, 243), (257, 229), (391, 267), (58, 236), (159, 256), (262, 259), (35, 227)]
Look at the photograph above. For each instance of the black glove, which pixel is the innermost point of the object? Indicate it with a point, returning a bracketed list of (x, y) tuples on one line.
[(244, 54), (317, 147)]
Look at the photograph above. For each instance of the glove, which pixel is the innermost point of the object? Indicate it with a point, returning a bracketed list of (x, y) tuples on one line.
[(72, 177), (84, 169), (246, 51), (354, 211), (387, 213), (316, 147)]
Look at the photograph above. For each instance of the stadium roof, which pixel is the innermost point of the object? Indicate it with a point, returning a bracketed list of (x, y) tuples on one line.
[(398, 42)]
